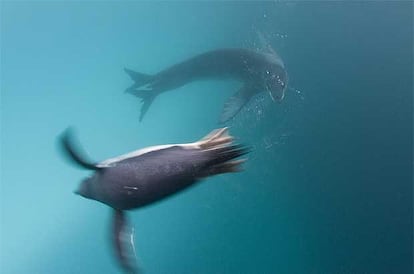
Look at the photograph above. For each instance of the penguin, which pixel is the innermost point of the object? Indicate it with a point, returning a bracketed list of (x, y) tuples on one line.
[(149, 175)]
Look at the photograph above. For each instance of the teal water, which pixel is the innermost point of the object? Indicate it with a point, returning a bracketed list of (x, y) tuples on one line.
[(328, 187)]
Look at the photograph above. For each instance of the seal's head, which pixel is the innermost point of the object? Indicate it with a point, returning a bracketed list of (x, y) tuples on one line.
[(276, 82), (275, 77)]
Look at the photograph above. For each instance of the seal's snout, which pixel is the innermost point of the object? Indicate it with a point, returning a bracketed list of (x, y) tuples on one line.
[(276, 84), (280, 96), (277, 96)]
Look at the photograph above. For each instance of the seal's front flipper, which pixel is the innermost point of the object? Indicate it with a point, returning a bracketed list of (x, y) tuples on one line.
[(235, 103), (71, 149), (123, 241), (267, 48)]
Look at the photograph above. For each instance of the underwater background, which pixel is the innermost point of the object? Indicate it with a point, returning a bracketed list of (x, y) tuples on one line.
[(328, 187)]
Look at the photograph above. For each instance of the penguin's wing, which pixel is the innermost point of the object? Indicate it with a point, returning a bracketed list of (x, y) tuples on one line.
[(71, 150), (123, 242)]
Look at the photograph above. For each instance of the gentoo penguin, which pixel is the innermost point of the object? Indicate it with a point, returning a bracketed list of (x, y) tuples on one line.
[(148, 175)]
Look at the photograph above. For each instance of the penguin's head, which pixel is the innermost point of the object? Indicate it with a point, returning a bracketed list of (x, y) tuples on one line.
[(86, 187)]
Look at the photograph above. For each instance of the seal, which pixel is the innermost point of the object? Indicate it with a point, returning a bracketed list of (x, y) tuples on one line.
[(258, 71), (148, 175)]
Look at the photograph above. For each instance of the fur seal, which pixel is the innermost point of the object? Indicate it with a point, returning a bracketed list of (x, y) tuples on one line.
[(148, 175), (258, 71)]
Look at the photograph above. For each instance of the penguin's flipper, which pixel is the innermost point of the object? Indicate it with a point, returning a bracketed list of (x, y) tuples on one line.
[(123, 242), (71, 149)]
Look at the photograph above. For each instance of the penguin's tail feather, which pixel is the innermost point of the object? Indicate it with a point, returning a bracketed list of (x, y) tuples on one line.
[(222, 153)]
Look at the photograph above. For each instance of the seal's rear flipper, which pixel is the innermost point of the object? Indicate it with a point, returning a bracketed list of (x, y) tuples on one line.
[(73, 151), (235, 103), (123, 241), (138, 77), (147, 97)]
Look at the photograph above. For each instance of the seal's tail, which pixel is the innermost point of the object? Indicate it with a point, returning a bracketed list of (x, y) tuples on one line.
[(139, 89)]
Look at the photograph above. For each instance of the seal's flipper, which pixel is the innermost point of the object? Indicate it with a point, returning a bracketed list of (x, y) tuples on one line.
[(73, 151), (267, 48), (147, 97), (123, 241), (234, 104), (138, 77)]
